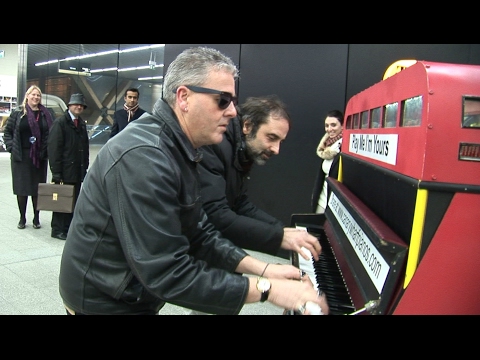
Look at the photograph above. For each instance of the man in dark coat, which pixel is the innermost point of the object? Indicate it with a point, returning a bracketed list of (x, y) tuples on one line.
[(68, 153), (131, 111)]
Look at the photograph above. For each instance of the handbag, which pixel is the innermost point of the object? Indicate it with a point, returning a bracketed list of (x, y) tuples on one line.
[(55, 197)]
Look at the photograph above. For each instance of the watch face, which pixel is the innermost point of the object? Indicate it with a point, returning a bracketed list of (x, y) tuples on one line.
[(263, 285)]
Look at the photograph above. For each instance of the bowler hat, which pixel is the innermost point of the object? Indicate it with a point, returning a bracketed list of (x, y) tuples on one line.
[(77, 99)]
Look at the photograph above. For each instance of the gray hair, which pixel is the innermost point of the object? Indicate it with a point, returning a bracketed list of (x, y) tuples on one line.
[(192, 67)]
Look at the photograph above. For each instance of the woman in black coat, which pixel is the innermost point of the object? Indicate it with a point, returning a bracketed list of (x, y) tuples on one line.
[(25, 137)]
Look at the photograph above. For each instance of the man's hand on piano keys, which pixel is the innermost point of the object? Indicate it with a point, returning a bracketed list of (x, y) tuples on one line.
[(285, 271), (294, 295), (296, 239)]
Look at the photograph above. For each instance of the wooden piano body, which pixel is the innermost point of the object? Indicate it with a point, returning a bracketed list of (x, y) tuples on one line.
[(408, 195)]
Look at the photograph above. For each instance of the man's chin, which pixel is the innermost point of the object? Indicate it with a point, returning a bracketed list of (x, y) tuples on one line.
[(217, 138), (261, 160)]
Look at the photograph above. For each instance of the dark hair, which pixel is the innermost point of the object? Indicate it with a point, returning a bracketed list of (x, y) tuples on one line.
[(258, 109), (336, 114), (134, 90)]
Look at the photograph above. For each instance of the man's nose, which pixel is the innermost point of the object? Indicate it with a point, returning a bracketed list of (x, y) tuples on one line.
[(275, 148), (231, 111)]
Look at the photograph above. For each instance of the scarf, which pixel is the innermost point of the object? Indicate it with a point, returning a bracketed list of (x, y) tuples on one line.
[(330, 141), (130, 110), (324, 148), (35, 129)]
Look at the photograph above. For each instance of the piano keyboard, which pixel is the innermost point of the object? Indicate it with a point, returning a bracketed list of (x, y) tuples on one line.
[(307, 266), (352, 283), (326, 277)]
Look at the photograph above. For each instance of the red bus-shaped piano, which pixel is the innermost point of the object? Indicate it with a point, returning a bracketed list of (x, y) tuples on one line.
[(403, 218)]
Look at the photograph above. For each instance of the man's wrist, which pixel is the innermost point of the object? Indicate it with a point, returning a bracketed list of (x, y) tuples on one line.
[(263, 272)]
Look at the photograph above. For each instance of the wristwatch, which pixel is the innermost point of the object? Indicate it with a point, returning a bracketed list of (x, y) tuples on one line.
[(263, 285)]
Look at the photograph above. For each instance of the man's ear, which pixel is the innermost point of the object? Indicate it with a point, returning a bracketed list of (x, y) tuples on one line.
[(247, 127), (182, 98)]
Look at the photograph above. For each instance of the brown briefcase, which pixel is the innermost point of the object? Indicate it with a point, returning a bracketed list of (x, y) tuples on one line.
[(55, 197)]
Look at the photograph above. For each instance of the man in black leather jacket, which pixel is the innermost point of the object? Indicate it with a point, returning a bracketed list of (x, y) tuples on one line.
[(139, 236), (251, 138)]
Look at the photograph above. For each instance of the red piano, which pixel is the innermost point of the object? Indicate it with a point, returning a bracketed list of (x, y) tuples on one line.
[(401, 233)]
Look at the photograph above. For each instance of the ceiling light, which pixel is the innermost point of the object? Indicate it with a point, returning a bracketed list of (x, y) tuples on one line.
[(102, 53), (150, 78)]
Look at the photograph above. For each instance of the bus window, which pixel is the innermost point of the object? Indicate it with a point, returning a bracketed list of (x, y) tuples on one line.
[(364, 119), (349, 124), (390, 115), (411, 114), (375, 119), (471, 112), (356, 122)]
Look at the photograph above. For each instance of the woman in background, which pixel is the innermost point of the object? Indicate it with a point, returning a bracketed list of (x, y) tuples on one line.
[(25, 137), (328, 150)]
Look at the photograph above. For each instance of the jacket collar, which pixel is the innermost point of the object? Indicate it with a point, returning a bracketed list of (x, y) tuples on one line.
[(163, 111), (236, 138)]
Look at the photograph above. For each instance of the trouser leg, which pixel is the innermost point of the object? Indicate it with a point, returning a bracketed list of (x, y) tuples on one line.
[(57, 222), (36, 213)]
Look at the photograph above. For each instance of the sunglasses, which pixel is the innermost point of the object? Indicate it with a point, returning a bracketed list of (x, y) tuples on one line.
[(223, 101)]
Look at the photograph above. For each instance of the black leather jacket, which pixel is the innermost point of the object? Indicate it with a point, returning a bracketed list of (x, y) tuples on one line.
[(224, 193), (139, 236)]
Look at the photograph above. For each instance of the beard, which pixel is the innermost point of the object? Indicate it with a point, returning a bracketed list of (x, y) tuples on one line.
[(258, 157)]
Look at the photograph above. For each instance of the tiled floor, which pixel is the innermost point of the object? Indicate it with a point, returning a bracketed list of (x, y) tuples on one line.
[(30, 259)]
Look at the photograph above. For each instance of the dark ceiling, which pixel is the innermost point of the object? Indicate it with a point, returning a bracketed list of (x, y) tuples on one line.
[(44, 52)]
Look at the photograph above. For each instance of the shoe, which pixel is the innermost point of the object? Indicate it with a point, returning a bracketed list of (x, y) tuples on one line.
[(21, 224), (61, 236), (36, 225)]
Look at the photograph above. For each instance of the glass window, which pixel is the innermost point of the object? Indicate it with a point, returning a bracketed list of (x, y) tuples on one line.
[(356, 121), (364, 119), (349, 122), (412, 111), (375, 118), (471, 112), (102, 72), (390, 112)]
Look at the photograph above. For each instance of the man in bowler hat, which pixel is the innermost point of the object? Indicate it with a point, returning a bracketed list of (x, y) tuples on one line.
[(68, 155)]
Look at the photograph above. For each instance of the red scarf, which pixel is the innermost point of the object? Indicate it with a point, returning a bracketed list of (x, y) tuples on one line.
[(331, 141), (324, 149)]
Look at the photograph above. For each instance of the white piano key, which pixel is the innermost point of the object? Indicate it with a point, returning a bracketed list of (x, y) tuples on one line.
[(307, 266)]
